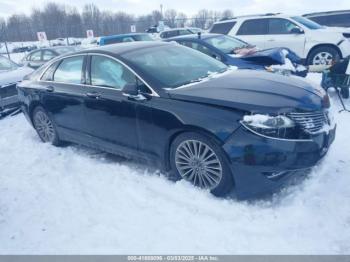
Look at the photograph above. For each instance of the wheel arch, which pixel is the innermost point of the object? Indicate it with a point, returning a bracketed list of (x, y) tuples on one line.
[(186, 129), (31, 109)]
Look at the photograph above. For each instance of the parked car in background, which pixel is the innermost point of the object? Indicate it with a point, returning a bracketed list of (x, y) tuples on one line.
[(39, 57), (190, 114), (59, 42), (23, 49), (314, 43), (339, 18), (10, 75), (113, 39), (235, 52), (179, 31)]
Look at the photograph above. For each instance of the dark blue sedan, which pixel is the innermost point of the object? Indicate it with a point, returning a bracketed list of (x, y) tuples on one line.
[(191, 115)]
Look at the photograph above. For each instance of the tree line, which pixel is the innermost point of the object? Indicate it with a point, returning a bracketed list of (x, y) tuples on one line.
[(65, 21)]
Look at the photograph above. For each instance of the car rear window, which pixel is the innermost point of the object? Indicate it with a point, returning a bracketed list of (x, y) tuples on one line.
[(253, 27), (222, 28)]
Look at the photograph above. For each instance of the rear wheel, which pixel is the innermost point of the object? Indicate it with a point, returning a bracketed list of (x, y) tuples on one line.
[(323, 55), (44, 126), (199, 160)]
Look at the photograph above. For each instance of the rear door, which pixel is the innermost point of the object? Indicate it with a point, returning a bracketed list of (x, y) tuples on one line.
[(282, 33), (253, 31), (63, 93)]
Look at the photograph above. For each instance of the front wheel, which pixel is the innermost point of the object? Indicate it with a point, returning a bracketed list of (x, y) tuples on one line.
[(44, 126), (199, 160), (323, 55)]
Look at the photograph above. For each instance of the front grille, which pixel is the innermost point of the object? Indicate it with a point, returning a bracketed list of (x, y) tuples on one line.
[(311, 122)]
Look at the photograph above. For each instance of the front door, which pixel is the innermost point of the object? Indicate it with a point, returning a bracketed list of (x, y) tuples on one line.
[(110, 115), (284, 33)]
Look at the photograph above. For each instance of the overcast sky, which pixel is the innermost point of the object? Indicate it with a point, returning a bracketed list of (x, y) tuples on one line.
[(240, 7)]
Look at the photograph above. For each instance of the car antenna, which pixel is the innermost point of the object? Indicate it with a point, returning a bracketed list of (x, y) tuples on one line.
[(199, 35)]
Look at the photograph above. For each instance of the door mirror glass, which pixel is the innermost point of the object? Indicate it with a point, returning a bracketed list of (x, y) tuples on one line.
[(297, 30), (131, 89)]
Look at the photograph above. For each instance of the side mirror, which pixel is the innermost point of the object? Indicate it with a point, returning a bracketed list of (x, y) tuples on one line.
[(132, 92), (130, 89), (297, 31)]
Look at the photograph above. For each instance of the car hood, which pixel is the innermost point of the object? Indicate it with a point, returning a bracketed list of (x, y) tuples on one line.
[(254, 91), (13, 76)]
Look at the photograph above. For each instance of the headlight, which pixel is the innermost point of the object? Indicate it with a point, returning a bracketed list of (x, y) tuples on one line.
[(271, 126)]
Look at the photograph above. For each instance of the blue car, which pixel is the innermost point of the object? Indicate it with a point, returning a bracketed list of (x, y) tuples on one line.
[(235, 52), (114, 39)]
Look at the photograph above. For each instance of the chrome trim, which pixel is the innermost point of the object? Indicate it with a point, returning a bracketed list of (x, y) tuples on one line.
[(275, 138), (153, 93)]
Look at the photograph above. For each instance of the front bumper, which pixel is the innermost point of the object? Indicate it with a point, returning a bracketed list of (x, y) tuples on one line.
[(262, 165)]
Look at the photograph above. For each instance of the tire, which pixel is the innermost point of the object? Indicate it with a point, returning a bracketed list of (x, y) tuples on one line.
[(45, 127), (190, 159), (323, 54), (344, 92)]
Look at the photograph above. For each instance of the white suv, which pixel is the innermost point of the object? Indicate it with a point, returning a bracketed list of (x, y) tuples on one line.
[(311, 41)]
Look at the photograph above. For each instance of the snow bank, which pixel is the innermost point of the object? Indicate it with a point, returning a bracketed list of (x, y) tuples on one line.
[(73, 200)]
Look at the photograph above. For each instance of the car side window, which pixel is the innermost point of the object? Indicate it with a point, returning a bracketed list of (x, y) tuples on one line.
[(69, 70), (279, 26), (253, 27), (205, 50), (222, 28), (36, 56), (107, 72), (48, 55), (48, 75)]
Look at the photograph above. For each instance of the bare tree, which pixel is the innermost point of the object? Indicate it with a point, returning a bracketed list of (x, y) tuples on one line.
[(64, 21), (181, 20), (170, 17)]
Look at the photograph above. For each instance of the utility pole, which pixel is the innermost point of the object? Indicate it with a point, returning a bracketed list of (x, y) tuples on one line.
[(161, 10)]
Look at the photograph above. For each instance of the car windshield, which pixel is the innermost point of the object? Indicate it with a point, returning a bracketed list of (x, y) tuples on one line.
[(226, 43), (144, 37), (307, 22), (174, 65), (6, 64)]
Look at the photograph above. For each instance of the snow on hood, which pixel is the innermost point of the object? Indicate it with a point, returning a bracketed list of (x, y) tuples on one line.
[(13, 76)]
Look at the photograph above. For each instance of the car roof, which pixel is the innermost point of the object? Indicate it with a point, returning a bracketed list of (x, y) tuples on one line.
[(193, 36), (121, 35), (179, 28), (336, 12), (121, 48), (244, 17)]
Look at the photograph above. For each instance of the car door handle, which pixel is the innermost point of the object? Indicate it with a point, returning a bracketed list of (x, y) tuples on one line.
[(271, 40), (138, 97), (49, 89), (93, 95)]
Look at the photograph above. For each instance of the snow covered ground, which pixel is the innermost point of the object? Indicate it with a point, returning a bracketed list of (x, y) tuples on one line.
[(74, 200)]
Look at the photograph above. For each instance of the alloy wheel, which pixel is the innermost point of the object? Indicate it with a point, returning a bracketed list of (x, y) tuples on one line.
[(322, 58), (44, 127), (197, 163)]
